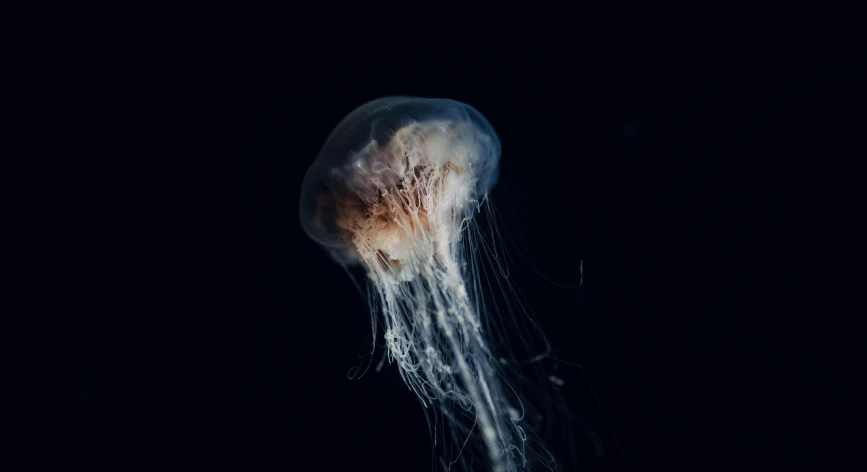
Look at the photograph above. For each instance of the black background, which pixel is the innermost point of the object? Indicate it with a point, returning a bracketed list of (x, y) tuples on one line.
[(177, 317)]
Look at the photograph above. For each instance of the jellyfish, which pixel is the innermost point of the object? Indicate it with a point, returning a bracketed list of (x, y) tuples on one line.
[(396, 189)]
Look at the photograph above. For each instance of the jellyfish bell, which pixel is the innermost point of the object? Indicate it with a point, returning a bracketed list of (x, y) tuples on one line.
[(393, 169)]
